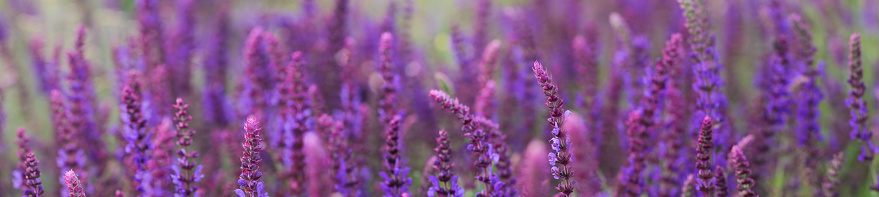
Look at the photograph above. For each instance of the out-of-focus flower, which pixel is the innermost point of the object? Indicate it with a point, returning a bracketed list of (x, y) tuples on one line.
[(856, 103)]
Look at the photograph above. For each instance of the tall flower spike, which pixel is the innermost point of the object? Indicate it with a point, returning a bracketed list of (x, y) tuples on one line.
[(74, 187), (444, 183), (250, 161), (396, 181), (703, 157), (70, 157), (187, 172), (302, 119), (561, 160), (742, 171), (632, 174), (831, 184), (32, 186), (479, 145), (856, 103), (139, 139)]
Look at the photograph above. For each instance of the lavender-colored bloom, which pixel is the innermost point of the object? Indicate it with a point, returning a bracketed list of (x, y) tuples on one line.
[(742, 171), (396, 182), (45, 73), (74, 186), (479, 145), (70, 157), (586, 174), (560, 142), (83, 99), (187, 172), (856, 103), (250, 161), (297, 111), (443, 166), (340, 152), (138, 137), (32, 185), (631, 182)]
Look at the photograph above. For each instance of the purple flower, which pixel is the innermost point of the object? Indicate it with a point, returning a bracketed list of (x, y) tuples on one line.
[(631, 182), (560, 136), (479, 144), (32, 185), (187, 171), (138, 137), (250, 161), (396, 183), (214, 101), (74, 186), (70, 157), (443, 168), (742, 171), (856, 103), (703, 157)]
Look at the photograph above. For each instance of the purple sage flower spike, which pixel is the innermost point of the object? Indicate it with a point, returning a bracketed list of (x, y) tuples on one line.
[(249, 180), (856, 103), (187, 171), (74, 186), (479, 145), (396, 182), (561, 160), (444, 178), (742, 171), (32, 185), (703, 157)]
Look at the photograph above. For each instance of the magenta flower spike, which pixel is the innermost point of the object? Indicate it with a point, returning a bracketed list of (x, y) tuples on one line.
[(74, 186), (249, 180)]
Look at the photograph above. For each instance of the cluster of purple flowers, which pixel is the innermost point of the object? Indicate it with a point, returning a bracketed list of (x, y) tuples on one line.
[(336, 102)]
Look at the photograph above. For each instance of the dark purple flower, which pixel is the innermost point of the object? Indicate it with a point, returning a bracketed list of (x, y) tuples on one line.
[(720, 182), (443, 168), (703, 157), (250, 161), (632, 183), (856, 103), (32, 185)]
